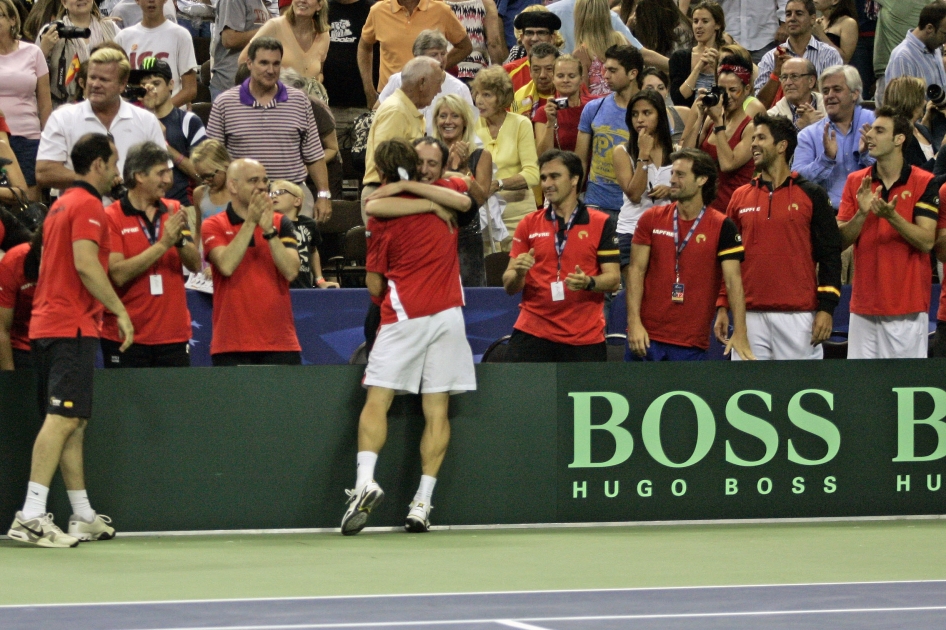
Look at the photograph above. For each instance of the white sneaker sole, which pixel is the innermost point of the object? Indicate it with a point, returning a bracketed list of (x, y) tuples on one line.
[(355, 518), (41, 542)]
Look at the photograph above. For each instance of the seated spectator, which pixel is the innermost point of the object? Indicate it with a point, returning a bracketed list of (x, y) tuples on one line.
[(485, 30), (657, 80), (532, 96), (303, 31), (211, 161), (24, 93), (431, 43), (661, 26), (156, 36), (287, 199), (752, 105), (801, 103), (64, 55), (695, 68), (508, 137), (837, 26), (556, 126), (12, 170), (907, 96), (538, 26), (182, 129), (128, 12), (593, 36)]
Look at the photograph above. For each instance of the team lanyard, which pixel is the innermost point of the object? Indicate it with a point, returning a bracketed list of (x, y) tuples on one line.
[(561, 237), (677, 245), (157, 228)]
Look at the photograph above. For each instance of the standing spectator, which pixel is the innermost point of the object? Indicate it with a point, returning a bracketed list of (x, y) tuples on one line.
[(726, 129), (799, 22), (828, 152), (556, 127), (183, 130), (801, 104), (674, 276), (150, 241), (755, 24), (863, 58), (533, 96), (538, 26), (129, 13), (920, 54), (837, 26), (24, 93), (661, 26), (893, 20), (65, 55), (104, 112), (303, 31), (158, 37), (695, 68), (395, 25), (481, 21), (508, 137), (594, 36), (431, 43), (71, 292), (563, 276), (267, 121), (342, 78), (287, 200), (508, 11), (252, 250), (658, 81), (792, 268), (236, 24), (19, 269), (889, 213), (399, 117), (603, 126)]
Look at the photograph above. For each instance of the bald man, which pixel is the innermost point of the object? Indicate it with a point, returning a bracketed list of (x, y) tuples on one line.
[(252, 250)]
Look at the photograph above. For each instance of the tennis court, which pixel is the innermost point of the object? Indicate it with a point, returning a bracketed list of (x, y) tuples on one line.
[(850, 574)]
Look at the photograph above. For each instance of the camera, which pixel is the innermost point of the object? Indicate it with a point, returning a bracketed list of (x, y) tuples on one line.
[(561, 103), (937, 95), (72, 32), (134, 93), (714, 96)]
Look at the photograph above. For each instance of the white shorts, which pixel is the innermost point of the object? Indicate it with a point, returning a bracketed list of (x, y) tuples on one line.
[(426, 355), (780, 336), (897, 337)]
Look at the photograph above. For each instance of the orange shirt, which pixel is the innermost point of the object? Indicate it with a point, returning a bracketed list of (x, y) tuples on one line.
[(389, 24)]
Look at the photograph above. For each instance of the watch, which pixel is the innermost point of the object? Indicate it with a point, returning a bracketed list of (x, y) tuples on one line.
[(271, 235), (324, 194), (719, 128), (591, 284)]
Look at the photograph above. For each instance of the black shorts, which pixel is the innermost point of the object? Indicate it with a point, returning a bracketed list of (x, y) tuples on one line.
[(233, 359), (22, 359), (64, 369), (140, 355), (526, 348)]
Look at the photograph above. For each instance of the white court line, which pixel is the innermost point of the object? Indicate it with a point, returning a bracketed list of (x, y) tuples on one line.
[(509, 623), (460, 622), (642, 589)]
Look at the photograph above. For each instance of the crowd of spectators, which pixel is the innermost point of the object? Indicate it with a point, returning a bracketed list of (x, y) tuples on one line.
[(242, 152)]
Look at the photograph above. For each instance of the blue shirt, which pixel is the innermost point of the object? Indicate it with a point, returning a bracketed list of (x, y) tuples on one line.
[(604, 120), (508, 10), (812, 164), (913, 59), (565, 10)]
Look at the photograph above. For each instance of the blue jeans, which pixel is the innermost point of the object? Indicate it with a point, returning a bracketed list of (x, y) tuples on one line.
[(659, 351)]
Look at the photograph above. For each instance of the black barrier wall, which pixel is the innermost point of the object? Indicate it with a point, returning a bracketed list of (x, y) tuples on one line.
[(274, 447)]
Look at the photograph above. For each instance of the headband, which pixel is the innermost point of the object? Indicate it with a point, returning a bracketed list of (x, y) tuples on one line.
[(744, 75)]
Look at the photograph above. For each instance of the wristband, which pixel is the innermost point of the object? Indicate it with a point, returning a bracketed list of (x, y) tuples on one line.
[(719, 128), (774, 77), (319, 279), (591, 284), (271, 235)]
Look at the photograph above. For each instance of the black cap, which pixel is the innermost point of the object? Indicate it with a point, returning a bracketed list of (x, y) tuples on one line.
[(537, 19), (151, 66)]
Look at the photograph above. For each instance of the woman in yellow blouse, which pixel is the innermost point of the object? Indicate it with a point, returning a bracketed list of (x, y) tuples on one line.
[(303, 31), (508, 137)]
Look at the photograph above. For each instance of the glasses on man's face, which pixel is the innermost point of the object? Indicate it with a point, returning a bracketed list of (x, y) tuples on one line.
[(792, 77), (207, 177), (536, 32)]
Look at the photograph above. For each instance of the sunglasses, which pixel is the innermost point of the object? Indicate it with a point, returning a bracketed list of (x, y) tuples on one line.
[(209, 176)]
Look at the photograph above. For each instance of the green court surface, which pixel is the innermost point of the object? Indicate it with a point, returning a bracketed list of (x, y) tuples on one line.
[(457, 561)]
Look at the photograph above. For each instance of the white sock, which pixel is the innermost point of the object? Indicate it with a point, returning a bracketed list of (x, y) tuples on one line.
[(425, 489), (365, 473), (80, 505), (35, 501)]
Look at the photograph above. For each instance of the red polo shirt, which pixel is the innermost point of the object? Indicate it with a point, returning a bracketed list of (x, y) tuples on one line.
[(16, 293)]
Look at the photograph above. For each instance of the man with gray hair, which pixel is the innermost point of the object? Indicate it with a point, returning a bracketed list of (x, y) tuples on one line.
[(400, 117), (801, 104), (150, 240), (431, 43), (830, 151)]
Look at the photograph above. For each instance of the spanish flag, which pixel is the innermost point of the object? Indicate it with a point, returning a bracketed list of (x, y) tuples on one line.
[(73, 69)]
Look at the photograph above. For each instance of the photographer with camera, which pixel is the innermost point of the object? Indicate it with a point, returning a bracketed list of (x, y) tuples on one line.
[(556, 124), (104, 112), (920, 53), (719, 124), (67, 42)]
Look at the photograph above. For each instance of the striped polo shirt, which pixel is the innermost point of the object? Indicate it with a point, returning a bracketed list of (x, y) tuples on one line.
[(282, 135)]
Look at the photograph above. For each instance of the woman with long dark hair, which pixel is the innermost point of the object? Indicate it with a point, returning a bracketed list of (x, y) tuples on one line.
[(695, 68), (661, 26), (837, 26), (642, 166)]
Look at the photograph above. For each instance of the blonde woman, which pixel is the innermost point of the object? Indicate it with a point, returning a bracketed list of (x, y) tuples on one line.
[(593, 36), (303, 31), (508, 137), (908, 96), (211, 161)]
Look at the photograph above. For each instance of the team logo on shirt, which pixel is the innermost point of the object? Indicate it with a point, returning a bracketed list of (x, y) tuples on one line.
[(582, 234), (130, 230), (794, 207), (700, 238), (906, 194)]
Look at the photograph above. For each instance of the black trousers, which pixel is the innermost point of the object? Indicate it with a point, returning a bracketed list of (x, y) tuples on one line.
[(139, 355), (526, 348)]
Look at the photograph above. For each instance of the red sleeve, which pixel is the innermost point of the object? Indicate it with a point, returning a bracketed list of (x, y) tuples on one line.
[(211, 233), (377, 260), (89, 223), (520, 240), (4, 127), (849, 197), (115, 228), (8, 288), (540, 116), (645, 225), (3, 232), (941, 224)]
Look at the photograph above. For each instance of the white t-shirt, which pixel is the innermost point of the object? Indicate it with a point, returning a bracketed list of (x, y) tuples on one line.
[(450, 85), (130, 13), (630, 211), (169, 42)]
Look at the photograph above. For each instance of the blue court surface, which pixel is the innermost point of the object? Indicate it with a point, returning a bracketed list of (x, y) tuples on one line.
[(868, 605)]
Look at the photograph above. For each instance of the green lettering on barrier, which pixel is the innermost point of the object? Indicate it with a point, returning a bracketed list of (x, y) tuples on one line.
[(582, 489), (607, 489), (645, 488), (732, 486), (929, 482), (705, 429), (903, 483), (830, 485), (623, 441), (678, 487), (764, 485), (754, 426), (816, 425), (798, 485), (906, 423)]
